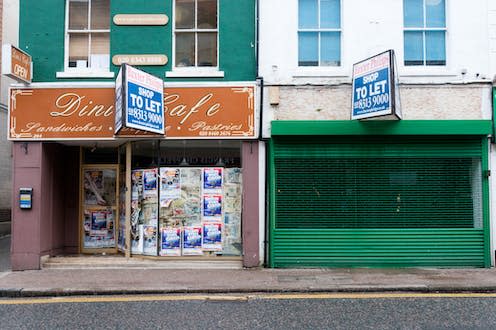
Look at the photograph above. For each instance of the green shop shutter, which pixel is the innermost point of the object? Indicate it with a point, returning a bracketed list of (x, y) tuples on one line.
[(378, 202)]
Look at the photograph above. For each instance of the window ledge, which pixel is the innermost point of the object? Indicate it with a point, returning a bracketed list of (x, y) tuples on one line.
[(317, 72), (193, 73), (420, 71), (85, 74)]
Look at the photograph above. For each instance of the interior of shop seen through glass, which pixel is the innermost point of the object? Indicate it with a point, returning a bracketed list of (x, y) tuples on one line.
[(185, 198)]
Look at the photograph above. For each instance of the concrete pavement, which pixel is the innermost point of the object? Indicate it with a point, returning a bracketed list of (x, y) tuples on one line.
[(92, 275), (62, 282)]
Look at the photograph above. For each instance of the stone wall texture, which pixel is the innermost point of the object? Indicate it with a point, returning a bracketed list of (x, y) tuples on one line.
[(427, 102)]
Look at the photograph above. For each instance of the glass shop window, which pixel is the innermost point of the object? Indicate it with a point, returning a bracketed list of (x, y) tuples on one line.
[(186, 198)]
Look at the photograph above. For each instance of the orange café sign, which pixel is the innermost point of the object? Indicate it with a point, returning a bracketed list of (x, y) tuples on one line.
[(88, 113)]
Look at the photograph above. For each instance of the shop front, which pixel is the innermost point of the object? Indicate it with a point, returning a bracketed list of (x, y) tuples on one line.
[(411, 193), (186, 199), (193, 193)]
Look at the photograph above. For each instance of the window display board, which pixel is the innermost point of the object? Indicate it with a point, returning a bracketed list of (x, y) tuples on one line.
[(99, 208), (182, 211)]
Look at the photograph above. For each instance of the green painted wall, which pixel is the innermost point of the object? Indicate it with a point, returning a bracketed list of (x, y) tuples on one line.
[(42, 35), (237, 43), (142, 39)]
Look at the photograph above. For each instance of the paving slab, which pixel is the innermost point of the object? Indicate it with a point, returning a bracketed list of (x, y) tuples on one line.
[(61, 282)]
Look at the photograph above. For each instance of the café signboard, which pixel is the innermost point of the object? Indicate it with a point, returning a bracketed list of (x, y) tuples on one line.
[(190, 112), (141, 19)]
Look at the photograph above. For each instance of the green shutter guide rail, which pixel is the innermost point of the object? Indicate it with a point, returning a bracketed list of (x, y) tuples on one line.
[(376, 202)]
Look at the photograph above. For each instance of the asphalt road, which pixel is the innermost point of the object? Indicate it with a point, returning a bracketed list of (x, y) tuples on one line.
[(4, 254), (166, 312)]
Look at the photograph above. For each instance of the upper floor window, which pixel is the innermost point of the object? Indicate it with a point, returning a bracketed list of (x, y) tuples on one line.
[(196, 33), (319, 33), (87, 35), (424, 32)]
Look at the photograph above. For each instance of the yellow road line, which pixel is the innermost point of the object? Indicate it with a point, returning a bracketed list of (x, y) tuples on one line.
[(58, 300), (375, 295), (227, 298)]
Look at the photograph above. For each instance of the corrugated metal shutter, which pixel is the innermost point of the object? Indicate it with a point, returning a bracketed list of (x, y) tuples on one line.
[(376, 202)]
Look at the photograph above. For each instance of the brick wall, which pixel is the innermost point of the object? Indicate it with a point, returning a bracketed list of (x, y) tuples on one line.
[(434, 102)]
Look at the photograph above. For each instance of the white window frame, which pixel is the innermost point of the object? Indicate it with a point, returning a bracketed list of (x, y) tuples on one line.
[(309, 73), (70, 72), (194, 71), (319, 30), (425, 29)]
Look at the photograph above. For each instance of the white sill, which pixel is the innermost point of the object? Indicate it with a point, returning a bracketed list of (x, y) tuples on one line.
[(193, 73), (85, 74), (423, 71), (315, 72)]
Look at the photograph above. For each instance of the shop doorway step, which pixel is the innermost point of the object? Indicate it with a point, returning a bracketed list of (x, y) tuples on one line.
[(138, 262)]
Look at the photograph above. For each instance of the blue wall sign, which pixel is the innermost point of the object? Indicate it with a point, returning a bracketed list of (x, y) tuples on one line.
[(373, 87), (25, 198)]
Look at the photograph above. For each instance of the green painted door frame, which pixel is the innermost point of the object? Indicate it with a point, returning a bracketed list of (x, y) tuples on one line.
[(429, 129)]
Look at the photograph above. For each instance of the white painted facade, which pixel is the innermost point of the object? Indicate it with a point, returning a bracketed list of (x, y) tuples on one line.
[(370, 27), (459, 90)]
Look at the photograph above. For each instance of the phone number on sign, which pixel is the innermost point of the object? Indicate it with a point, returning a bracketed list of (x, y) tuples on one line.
[(371, 102), (215, 133), (145, 116)]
